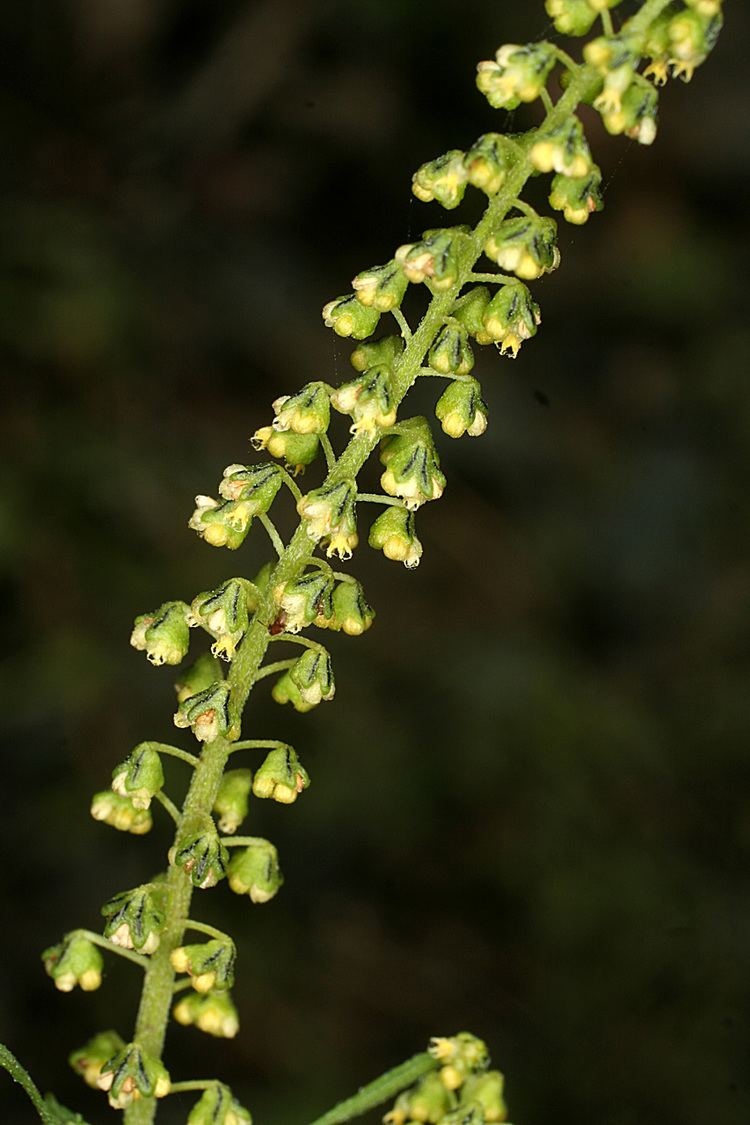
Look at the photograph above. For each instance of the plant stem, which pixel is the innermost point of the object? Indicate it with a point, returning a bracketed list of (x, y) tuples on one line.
[(20, 1075), (381, 1090), (158, 984)]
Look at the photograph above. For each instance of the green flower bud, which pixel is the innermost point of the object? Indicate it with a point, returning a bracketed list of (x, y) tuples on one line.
[(254, 871), (564, 150), (571, 17), (281, 777), (637, 115), (135, 919), (139, 777), (614, 58), (511, 317), (488, 161), (469, 311), (74, 961), (209, 964), (486, 1090), (443, 179), (217, 1106), (434, 259), (368, 400), (382, 287), (525, 246), (351, 613), (518, 74), (460, 1056), (222, 524), (232, 800), (412, 466), (692, 37), (329, 513), (313, 675), (306, 412), (120, 813), (426, 1101), (451, 354), (223, 613), (131, 1074), (657, 48), (302, 599), (213, 1013), (386, 351), (577, 198), (201, 856), (255, 485), (461, 410), (88, 1060), (164, 635), (206, 712), (347, 316), (286, 691), (393, 533), (200, 675), (296, 450)]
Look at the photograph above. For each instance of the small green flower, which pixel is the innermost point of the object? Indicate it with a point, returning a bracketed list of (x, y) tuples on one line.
[(87, 1061), (139, 777), (426, 1101), (460, 1056), (368, 400), (351, 613), (74, 961), (451, 353), (434, 260), (198, 676), (564, 150), (313, 675), (518, 74), (213, 1013), (412, 469), (488, 162), (306, 412), (282, 777), (347, 316), (511, 317), (461, 409), (571, 17), (131, 1074), (254, 871), (486, 1090), (469, 312), (224, 524), (296, 450), (578, 199), (381, 288), (202, 856), (329, 513), (217, 1106), (206, 712), (637, 114), (209, 964), (394, 534), (256, 485), (443, 179), (135, 919), (164, 635), (302, 599), (614, 58), (692, 37), (224, 614), (120, 813), (232, 800), (525, 246), (386, 351), (286, 691)]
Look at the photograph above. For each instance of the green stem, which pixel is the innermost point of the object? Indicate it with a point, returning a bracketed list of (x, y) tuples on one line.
[(168, 805), (381, 1090), (104, 943), (269, 669), (273, 535), (172, 752), (20, 1075), (193, 1084), (209, 931)]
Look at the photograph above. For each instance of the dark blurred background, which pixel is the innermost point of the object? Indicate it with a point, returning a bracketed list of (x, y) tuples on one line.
[(529, 814)]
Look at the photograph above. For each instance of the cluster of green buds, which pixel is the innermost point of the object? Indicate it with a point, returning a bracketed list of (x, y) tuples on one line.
[(330, 516), (120, 813), (75, 961), (464, 1091), (681, 41), (135, 919), (164, 635), (282, 777), (140, 777), (212, 1012), (254, 871), (412, 468), (202, 856), (218, 1106), (232, 802), (89, 1060), (209, 964), (131, 1074), (206, 713)]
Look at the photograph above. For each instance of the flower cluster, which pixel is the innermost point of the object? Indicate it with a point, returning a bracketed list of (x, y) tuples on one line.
[(463, 1090)]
